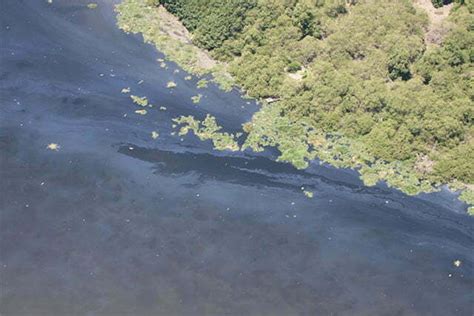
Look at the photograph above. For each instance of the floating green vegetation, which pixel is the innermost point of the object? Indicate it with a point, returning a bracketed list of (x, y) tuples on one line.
[(126, 90), (207, 129), (308, 194), (196, 99), (187, 78), (155, 134), (223, 79), (141, 112), (92, 5), (467, 196), (53, 147), (142, 101), (171, 85), (201, 84)]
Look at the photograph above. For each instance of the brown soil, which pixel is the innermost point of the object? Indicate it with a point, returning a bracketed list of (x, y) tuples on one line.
[(437, 27), (175, 29)]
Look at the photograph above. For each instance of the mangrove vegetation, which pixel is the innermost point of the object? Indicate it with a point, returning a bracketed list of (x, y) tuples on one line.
[(355, 83)]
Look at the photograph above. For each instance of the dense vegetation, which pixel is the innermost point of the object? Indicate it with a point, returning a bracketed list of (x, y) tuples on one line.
[(211, 22), (440, 3), (356, 81), (208, 129)]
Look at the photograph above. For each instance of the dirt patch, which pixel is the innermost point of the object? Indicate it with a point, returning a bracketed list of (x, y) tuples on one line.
[(296, 76), (171, 26), (437, 27), (299, 75), (424, 164)]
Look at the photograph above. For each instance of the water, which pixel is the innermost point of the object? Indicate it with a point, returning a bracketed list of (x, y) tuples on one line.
[(116, 223)]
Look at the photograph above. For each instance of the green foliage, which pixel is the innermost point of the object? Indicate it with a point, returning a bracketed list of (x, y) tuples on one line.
[(207, 129), (211, 21), (369, 76), (456, 164), (468, 196), (201, 84), (196, 99), (152, 2), (390, 143), (171, 85), (294, 66), (142, 101), (440, 3), (373, 95), (138, 17), (308, 194), (220, 76)]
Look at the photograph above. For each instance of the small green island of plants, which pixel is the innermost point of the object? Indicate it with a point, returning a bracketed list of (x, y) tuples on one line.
[(207, 129)]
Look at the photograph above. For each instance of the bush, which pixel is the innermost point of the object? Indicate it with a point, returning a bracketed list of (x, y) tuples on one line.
[(440, 3), (294, 66)]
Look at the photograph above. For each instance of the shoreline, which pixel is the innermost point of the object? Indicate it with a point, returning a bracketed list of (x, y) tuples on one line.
[(135, 17), (168, 35)]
